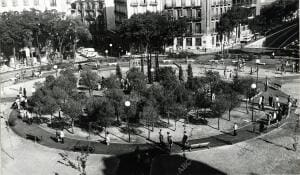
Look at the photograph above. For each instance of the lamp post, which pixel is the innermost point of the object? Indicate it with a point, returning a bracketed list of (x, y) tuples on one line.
[(106, 52), (127, 105), (110, 46), (151, 76), (55, 68), (257, 61), (253, 87)]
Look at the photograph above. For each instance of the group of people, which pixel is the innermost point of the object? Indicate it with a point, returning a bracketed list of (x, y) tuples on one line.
[(169, 139)]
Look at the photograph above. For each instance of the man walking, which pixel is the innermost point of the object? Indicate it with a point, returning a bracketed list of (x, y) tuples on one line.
[(184, 140), (161, 137), (170, 141), (107, 139), (235, 127), (62, 136)]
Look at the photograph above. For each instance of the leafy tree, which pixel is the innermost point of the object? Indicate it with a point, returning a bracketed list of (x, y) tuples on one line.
[(72, 109), (189, 72), (167, 77), (151, 116), (49, 106), (106, 114), (219, 107), (90, 79), (180, 74), (178, 111), (118, 72), (111, 82), (213, 80), (59, 94), (137, 80), (50, 79), (116, 98)]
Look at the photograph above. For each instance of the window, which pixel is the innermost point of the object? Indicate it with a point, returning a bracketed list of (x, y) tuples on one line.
[(198, 13), (36, 2), (3, 3), (198, 28), (189, 28), (198, 42), (15, 3), (221, 10), (189, 13), (179, 41), (189, 42), (25, 2), (179, 12), (213, 40), (53, 3)]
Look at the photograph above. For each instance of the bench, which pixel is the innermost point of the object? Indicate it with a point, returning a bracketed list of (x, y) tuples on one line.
[(34, 138), (85, 148), (197, 145)]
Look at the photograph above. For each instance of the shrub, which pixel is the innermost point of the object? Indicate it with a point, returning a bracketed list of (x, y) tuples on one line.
[(12, 121), (125, 130)]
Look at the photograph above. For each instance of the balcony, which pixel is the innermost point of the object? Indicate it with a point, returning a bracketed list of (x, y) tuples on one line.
[(153, 3), (134, 4), (143, 4)]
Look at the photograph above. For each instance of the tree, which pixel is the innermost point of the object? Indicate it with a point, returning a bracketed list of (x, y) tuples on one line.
[(116, 98), (118, 72), (189, 72), (167, 77), (111, 82), (72, 109), (180, 74), (151, 116), (49, 106), (178, 111), (60, 95), (233, 100), (218, 108), (50, 79), (90, 80), (137, 80)]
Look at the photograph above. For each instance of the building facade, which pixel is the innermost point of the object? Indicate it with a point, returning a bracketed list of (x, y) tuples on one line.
[(42, 5), (92, 10), (203, 17), (124, 9)]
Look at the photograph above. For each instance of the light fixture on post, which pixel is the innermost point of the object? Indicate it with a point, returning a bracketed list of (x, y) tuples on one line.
[(253, 87), (127, 106), (257, 62)]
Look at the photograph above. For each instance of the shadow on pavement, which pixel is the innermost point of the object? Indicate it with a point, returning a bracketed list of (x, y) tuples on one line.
[(154, 161)]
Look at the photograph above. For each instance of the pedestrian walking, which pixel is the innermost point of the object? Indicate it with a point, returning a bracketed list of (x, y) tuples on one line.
[(58, 136), (107, 139), (262, 102), (62, 136), (276, 102), (161, 137), (259, 102), (271, 101), (170, 141), (235, 127), (184, 140)]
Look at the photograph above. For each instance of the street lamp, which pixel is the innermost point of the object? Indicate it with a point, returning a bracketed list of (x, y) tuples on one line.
[(127, 105), (257, 61), (106, 52), (253, 87), (110, 45), (55, 68), (152, 73)]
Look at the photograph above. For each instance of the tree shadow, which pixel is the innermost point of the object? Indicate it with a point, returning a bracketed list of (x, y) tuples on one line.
[(154, 161)]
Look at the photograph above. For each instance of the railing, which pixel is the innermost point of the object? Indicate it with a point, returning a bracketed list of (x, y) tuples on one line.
[(134, 4), (153, 3)]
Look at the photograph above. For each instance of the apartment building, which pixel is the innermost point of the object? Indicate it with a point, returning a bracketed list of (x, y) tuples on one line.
[(124, 9), (42, 5), (92, 10), (203, 17)]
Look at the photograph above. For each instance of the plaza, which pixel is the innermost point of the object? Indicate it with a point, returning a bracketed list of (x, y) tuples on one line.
[(152, 87)]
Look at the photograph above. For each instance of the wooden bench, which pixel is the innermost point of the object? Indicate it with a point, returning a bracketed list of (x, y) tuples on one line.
[(198, 145), (34, 138), (84, 148)]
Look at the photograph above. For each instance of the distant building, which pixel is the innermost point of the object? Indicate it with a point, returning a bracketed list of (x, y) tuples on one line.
[(203, 17), (124, 9), (95, 10), (42, 5)]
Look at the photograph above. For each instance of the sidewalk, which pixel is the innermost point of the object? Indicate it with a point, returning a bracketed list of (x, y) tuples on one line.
[(48, 139)]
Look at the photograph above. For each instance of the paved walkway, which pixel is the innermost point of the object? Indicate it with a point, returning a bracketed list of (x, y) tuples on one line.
[(48, 139)]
